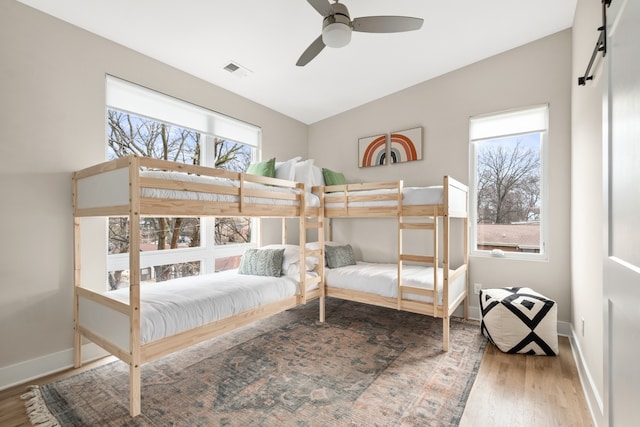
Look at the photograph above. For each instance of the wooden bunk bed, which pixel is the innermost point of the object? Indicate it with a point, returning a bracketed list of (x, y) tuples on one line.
[(416, 208), (135, 187)]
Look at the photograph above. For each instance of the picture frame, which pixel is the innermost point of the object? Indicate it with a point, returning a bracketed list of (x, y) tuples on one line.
[(405, 145), (372, 150)]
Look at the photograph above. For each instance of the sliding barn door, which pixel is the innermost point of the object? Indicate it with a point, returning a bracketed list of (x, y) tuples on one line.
[(622, 215)]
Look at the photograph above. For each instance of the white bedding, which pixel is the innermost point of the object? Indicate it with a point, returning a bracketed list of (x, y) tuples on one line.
[(382, 279), (181, 304), (311, 199), (432, 195)]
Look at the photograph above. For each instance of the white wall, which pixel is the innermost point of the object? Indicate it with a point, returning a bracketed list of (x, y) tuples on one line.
[(587, 244), (52, 110), (536, 73)]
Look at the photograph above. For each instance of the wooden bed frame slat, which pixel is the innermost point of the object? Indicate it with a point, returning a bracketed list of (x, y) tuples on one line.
[(416, 290), (417, 226), (427, 259), (103, 300)]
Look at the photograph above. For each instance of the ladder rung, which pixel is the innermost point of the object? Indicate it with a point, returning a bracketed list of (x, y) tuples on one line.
[(313, 224), (415, 290), (312, 280), (416, 258), (417, 226)]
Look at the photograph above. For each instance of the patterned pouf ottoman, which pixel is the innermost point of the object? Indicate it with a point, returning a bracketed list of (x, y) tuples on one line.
[(519, 320)]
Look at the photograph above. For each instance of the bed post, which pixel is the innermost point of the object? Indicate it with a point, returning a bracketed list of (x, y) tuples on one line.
[(445, 267), (466, 262), (135, 387), (77, 338), (322, 224), (284, 231), (436, 262), (400, 213), (302, 238)]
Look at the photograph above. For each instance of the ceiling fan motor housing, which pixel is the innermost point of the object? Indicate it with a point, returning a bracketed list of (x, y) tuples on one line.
[(336, 28)]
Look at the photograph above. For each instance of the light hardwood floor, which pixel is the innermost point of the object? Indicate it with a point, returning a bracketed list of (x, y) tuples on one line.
[(510, 390), (529, 391)]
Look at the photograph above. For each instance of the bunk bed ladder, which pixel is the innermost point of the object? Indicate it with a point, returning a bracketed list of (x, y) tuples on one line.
[(318, 225), (431, 226), (308, 222)]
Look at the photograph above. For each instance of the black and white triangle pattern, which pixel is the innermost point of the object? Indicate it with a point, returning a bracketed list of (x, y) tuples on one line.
[(519, 320)]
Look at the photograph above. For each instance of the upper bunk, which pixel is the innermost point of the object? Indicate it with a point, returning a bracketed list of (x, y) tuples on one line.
[(393, 199), (153, 187)]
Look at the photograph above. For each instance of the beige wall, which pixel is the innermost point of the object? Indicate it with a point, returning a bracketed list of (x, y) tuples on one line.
[(52, 110), (586, 205), (536, 73)]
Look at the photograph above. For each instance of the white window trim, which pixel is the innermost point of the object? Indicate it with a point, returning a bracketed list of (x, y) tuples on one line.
[(479, 133), (135, 99)]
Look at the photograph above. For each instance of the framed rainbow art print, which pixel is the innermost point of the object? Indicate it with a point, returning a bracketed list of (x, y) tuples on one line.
[(405, 145), (372, 151)]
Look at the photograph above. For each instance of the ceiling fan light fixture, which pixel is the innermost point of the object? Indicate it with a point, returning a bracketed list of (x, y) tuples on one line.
[(336, 34)]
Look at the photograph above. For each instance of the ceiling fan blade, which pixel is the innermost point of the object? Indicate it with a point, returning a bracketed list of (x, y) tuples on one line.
[(386, 24), (312, 51), (322, 6)]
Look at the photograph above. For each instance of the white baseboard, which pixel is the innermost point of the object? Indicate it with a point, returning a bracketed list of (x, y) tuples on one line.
[(594, 400), (29, 370)]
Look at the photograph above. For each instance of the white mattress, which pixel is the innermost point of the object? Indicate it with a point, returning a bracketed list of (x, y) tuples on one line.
[(382, 279), (432, 195), (181, 304), (311, 199)]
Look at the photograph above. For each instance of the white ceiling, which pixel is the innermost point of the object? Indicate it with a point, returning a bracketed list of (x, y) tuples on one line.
[(268, 36)]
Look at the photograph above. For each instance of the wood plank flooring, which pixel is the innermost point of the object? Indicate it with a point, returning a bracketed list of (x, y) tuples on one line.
[(510, 390), (517, 390)]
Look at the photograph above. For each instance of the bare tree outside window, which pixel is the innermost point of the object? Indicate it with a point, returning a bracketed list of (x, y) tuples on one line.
[(509, 193), (129, 134)]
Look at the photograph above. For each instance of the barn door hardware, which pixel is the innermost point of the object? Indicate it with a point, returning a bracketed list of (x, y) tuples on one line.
[(601, 45)]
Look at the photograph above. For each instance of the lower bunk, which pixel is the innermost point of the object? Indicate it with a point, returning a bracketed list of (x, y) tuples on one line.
[(424, 290), (178, 313)]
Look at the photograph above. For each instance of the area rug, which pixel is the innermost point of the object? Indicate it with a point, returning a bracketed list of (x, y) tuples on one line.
[(364, 366)]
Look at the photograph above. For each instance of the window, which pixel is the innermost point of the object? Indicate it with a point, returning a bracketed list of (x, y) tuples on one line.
[(507, 185), (147, 123)]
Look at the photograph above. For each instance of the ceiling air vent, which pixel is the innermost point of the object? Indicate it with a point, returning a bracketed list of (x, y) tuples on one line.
[(237, 69)]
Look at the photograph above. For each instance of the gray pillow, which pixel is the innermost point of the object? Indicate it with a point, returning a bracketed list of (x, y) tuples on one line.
[(339, 256), (262, 262)]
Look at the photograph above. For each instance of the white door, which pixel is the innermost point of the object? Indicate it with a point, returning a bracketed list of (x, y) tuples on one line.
[(622, 216)]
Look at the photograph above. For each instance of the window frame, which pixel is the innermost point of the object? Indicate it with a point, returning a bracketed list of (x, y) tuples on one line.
[(485, 135), (136, 100)]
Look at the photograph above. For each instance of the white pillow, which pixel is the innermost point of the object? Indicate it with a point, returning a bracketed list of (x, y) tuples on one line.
[(286, 170), (317, 178), (291, 254), (316, 245), (291, 257), (303, 173)]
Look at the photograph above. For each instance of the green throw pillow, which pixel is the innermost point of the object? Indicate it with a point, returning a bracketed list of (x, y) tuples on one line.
[(333, 178), (339, 256), (262, 262), (266, 168)]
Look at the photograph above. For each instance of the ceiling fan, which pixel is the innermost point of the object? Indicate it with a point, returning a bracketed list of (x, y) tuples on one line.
[(337, 27)]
